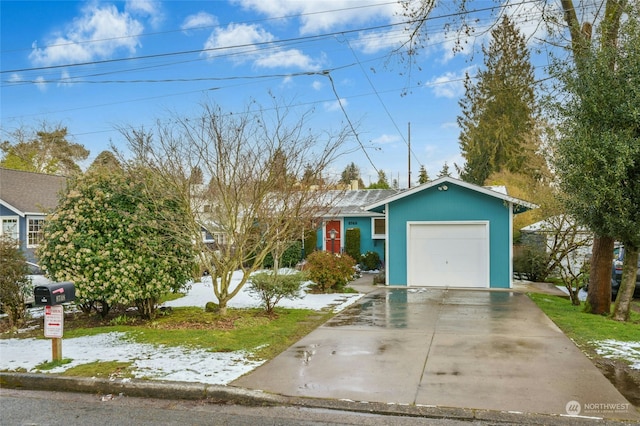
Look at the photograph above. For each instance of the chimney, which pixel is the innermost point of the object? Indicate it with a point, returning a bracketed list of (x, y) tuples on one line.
[(354, 185)]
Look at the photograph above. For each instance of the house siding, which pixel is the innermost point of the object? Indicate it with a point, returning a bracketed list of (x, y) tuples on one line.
[(366, 242), (457, 203), (29, 252)]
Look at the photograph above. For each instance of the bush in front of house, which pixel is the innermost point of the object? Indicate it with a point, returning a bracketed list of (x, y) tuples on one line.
[(14, 282), (352, 242), (330, 272), (531, 263), (272, 287), (120, 239), (310, 242), (370, 261), (290, 257)]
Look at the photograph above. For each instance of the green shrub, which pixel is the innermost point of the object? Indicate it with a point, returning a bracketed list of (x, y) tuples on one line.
[(370, 261), (211, 307), (310, 242), (14, 283), (271, 287), (330, 272), (352, 242), (290, 257), (531, 263)]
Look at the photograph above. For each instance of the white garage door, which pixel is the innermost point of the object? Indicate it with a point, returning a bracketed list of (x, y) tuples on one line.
[(444, 254)]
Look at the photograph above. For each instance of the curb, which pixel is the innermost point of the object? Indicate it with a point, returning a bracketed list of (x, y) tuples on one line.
[(240, 396)]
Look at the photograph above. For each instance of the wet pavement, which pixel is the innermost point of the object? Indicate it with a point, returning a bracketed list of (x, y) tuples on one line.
[(492, 350)]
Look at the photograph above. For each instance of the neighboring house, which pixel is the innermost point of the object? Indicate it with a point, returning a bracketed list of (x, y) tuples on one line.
[(347, 212), (25, 199), (449, 233), (560, 235)]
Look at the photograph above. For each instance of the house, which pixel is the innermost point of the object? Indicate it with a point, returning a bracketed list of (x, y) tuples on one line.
[(449, 233), (346, 212), (570, 243), (25, 199)]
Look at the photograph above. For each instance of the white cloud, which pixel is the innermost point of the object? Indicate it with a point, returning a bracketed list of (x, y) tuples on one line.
[(254, 44), (386, 139), (147, 8), (15, 78), (320, 15), (99, 32), (317, 85), (335, 105), (373, 42), (199, 20), (242, 35), (450, 84), (40, 84), (287, 58), (65, 79)]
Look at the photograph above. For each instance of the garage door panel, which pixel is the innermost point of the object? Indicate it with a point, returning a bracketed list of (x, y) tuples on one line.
[(450, 255)]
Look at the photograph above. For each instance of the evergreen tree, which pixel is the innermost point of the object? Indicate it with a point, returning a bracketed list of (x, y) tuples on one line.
[(445, 171), (105, 161), (499, 112), (351, 173), (382, 183), (423, 177), (310, 176)]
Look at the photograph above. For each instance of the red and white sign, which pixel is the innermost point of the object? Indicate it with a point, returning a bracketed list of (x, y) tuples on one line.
[(53, 321)]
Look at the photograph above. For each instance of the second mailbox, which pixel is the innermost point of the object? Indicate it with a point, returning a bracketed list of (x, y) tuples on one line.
[(54, 293)]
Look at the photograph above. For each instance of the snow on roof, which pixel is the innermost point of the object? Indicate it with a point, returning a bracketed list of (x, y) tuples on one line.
[(353, 202)]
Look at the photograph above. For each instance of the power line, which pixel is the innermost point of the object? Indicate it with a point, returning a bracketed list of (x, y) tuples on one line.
[(276, 42)]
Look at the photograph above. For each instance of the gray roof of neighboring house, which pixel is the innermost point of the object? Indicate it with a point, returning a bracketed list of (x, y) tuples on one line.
[(352, 202), (28, 192)]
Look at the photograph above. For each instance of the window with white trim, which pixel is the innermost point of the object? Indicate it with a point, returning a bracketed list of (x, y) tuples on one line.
[(10, 227), (378, 228), (34, 231)]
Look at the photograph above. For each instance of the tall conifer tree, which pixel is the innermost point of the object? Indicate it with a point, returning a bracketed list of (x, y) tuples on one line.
[(499, 112)]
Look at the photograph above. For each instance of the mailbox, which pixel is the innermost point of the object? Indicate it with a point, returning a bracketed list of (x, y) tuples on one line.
[(54, 293)]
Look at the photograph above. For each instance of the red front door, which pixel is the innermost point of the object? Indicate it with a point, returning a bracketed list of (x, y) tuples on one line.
[(332, 236)]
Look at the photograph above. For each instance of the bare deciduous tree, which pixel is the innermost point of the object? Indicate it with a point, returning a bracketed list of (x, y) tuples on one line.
[(253, 199)]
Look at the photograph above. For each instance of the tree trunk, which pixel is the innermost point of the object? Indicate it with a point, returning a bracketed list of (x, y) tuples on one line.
[(627, 285), (599, 297)]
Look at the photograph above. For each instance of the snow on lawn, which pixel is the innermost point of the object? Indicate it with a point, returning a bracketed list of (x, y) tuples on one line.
[(159, 362), (629, 351)]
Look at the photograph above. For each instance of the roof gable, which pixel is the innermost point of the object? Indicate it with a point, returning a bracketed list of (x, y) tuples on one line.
[(519, 205), (29, 192)]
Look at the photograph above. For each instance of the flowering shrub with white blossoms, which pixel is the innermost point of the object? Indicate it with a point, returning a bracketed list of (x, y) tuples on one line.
[(112, 237)]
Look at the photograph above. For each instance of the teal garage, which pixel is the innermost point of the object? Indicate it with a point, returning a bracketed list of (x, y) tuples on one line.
[(449, 233)]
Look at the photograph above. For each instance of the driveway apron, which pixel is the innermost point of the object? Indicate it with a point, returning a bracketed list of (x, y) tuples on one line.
[(474, 349)]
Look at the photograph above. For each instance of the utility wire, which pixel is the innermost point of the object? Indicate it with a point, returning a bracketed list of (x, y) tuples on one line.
[(355, 133), (386, 110)]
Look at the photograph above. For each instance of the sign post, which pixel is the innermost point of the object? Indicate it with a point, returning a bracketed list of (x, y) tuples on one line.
[(54, 328)]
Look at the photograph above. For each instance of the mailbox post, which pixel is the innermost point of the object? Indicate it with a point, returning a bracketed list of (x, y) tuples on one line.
[(52, 296)]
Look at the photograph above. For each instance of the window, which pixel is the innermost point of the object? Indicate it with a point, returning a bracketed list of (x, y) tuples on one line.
[(379, 228), (10, 227), (34, 232)]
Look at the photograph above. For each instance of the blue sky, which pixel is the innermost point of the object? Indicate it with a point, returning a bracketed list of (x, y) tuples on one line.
[(144, 60)]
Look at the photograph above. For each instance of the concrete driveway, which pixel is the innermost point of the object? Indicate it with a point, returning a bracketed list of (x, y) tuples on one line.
[(475, 349)]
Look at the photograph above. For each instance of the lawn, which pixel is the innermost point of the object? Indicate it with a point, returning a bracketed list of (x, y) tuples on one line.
[(583, 327)]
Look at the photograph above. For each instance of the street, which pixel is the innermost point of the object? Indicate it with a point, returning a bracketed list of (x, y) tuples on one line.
[(21, 407)]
